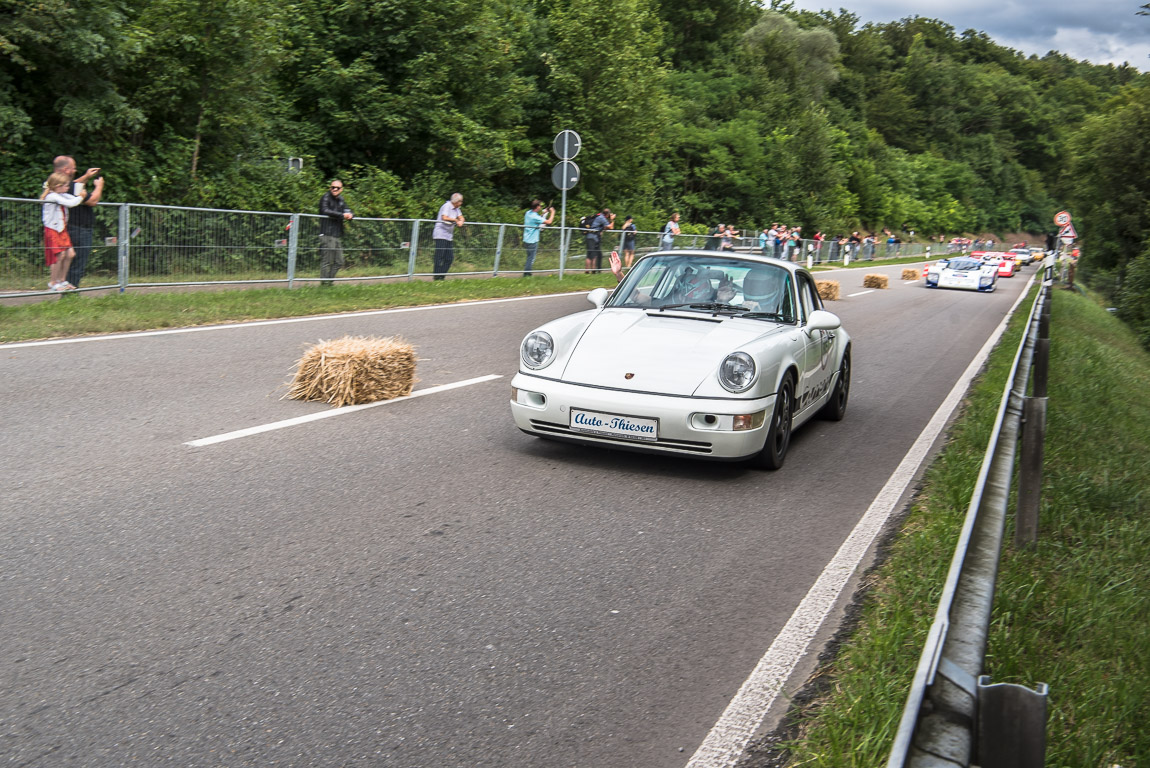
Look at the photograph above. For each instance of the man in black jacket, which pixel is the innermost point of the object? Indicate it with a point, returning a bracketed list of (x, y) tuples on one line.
[(335, 212)]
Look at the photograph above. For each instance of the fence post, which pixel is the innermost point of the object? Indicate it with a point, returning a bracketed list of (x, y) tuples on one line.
[(124, 224), (293, 248), (413, 248), (498, 250)]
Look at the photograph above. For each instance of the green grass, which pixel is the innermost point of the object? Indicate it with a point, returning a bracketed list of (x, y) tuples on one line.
[(81, 314), (1071, 612)]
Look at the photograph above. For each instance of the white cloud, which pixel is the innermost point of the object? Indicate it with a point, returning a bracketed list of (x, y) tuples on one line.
[(1102, 31)]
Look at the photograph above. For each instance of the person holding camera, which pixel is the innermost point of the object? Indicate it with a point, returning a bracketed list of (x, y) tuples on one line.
[(82, 218), (533, 221), (602, 220)]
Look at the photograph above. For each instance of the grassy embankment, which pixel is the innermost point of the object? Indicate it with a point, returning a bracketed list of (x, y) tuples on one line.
[(1071, 612)]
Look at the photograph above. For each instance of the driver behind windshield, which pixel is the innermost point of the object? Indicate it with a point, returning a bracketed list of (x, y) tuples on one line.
[(693, 286), (696, 286), (764, 289)]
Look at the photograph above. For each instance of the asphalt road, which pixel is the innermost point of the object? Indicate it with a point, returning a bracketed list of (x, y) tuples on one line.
[(416, 584)]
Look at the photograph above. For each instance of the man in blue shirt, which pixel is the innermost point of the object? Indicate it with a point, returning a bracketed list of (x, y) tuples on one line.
[(533, 221)]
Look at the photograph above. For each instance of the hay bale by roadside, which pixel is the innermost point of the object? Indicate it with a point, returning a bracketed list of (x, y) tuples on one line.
[(353, 370), (828, 289), (910, 274), (875, 281)]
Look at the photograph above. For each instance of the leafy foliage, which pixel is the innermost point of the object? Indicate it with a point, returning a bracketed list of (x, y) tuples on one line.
[(725, 109)]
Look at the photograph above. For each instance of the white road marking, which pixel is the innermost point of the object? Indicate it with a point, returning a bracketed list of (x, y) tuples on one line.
[(860, 293), (283, 321), (736, 727), (334, 412)]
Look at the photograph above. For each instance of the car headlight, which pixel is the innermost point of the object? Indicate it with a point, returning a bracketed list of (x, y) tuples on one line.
[(537, 349), (737, 373)]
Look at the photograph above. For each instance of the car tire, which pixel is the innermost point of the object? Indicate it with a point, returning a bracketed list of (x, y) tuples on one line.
[(779, 431), (836, 407)]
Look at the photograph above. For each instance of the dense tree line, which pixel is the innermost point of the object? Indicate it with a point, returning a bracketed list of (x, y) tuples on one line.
[(721, 109)]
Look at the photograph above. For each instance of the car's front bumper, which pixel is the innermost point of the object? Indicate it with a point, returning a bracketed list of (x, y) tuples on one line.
[(687, 426)]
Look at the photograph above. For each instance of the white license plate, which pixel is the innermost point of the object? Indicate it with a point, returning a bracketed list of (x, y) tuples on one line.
[(614, 425)]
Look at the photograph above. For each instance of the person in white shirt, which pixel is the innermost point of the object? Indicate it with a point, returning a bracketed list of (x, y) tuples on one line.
[(58, 251)]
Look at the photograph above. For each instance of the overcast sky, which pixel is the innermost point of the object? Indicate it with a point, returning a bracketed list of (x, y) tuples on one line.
[(1099, 31)]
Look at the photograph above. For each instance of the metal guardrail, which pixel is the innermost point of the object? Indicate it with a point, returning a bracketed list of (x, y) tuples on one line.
[(954, 716), (137, 246)]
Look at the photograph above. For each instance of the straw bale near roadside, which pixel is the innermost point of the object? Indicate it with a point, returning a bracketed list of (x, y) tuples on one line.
[(910, 274), (875, 281), (828, 289), (354, 370)]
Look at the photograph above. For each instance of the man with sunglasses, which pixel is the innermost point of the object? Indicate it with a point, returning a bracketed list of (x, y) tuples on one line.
[(334, 210)]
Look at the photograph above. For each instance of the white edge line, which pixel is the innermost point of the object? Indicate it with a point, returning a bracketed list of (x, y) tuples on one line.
[(860, 293), (334, 412), (727, 740), (281, 321)]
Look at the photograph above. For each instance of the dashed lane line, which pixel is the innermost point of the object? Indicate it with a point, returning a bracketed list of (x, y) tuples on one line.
[(334, 412)]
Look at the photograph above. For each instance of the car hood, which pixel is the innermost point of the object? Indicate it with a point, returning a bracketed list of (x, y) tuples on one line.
[(667, 353)]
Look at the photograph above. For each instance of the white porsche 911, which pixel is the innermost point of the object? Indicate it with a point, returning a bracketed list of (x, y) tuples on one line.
[(695, 353), (963, 272)]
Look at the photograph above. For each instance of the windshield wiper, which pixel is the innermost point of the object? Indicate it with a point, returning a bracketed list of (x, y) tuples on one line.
[(715, 307), (769, 316)]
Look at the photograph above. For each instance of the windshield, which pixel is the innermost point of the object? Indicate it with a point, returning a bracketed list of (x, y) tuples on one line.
[(711, 284), (964, 265)]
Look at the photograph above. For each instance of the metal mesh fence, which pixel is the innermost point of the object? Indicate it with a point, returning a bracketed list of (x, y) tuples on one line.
[(139, 245), (188, 245)]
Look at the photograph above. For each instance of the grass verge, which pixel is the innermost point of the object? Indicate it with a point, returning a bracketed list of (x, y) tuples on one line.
[(1070, 613), (76, 315)]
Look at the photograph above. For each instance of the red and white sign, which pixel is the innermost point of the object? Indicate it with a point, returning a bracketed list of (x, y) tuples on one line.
[(1062, 218), (1068, 231)]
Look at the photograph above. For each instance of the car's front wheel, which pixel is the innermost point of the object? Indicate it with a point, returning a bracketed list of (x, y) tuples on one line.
[(779, 432)]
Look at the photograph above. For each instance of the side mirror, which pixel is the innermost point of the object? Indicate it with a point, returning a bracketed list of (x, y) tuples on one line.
[(821, 320), (598, 297)]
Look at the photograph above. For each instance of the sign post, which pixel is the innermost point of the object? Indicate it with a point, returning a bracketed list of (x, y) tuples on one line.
[(564, 176)]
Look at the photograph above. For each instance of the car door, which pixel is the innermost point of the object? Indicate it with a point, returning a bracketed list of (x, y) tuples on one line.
[(818, 346)]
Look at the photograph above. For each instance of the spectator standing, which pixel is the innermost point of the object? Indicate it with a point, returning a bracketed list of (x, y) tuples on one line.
[(854, 241), (795, 243), (629, 230), (601, 221), (58, 252), (670, 232), (533, 221), (764, 239), (82, 218), (449, 218), (714, 237), (818, 245), (333, 208), (727, 243)]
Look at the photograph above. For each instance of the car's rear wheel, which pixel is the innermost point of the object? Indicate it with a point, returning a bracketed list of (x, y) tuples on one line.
[(779, 432), (836, 407)]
